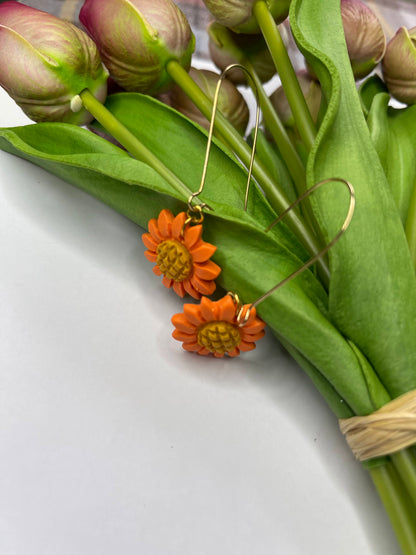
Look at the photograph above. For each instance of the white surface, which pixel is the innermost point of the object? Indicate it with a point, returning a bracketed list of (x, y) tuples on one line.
[(115, 441)]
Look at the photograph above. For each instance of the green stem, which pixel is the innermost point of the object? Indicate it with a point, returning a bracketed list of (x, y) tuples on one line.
[(274, 125), (233, 139), (395, 501), (286, 148), (287, 74), (405, 464), (130, 142), (410, 226), (223, 39)]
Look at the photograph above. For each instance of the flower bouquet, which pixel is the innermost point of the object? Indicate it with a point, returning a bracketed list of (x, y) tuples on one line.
[(243, 255)]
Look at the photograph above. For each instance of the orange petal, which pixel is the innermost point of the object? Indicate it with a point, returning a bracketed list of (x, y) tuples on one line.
[(246, 346), (193, 313), (208, 310), (181, 323), (202, 252), (255, 327), (202, 286), (177, 225), (234, 353), (154, 231), (167, 282), (182, 336), (164, 222), (252, 337), (227, 309), (191, 346), (157, 270), (192, 235), (149, 241), (179, 288), (207, 270), (204, 351), (151, 256), (191, 290)]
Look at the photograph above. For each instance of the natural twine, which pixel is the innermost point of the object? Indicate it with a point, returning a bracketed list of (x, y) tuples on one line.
[(385, 431)]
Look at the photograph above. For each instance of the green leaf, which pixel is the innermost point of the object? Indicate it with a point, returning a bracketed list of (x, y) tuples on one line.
[(393, 132), (368, 90), (373, 286), (180, 144), (163, 130), (92, 164)]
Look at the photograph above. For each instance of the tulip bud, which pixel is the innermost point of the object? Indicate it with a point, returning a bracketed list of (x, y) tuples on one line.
[(311, 90), (364, 35), (46, 62), (238, 14), (228, 48), (399, 66), (230, 101), (136, 39)]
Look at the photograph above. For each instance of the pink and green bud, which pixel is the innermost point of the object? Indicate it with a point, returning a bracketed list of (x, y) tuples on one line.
[(137, 38), (46, 62), (230, 101), (364, 35), (238, 14), (399, 65), (228, 48)]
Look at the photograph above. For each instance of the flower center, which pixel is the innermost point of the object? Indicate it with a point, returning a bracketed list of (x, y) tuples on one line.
[(174, 260), (219, 337)]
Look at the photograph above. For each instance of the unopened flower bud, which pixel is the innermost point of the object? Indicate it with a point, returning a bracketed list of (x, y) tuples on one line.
[(228, 48), (311, 90), (137, 38), (46, 62), (399, 65), (238, 14), (230, 101), (364, 35)]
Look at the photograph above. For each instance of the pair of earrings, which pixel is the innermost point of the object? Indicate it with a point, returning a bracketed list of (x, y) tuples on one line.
[(226, 326), (175, 245), (183, 258)]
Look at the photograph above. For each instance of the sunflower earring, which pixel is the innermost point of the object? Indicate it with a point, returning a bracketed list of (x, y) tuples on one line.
[(228, 326), (218, 327), (180, 254), (174, 243)]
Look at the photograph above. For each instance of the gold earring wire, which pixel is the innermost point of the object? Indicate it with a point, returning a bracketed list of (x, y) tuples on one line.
[(199, 207), (242, 316)]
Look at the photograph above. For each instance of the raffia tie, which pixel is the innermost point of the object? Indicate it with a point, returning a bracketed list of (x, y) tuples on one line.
[(385, 431)]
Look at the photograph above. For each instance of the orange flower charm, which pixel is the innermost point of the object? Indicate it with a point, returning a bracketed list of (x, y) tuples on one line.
[(212, 327), (181, 256)]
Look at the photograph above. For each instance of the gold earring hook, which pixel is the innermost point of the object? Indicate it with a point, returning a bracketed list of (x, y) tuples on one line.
[(192, 208), (243, 315)]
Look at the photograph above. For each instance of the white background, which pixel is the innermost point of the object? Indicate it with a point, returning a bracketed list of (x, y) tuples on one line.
[(115, 441)]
